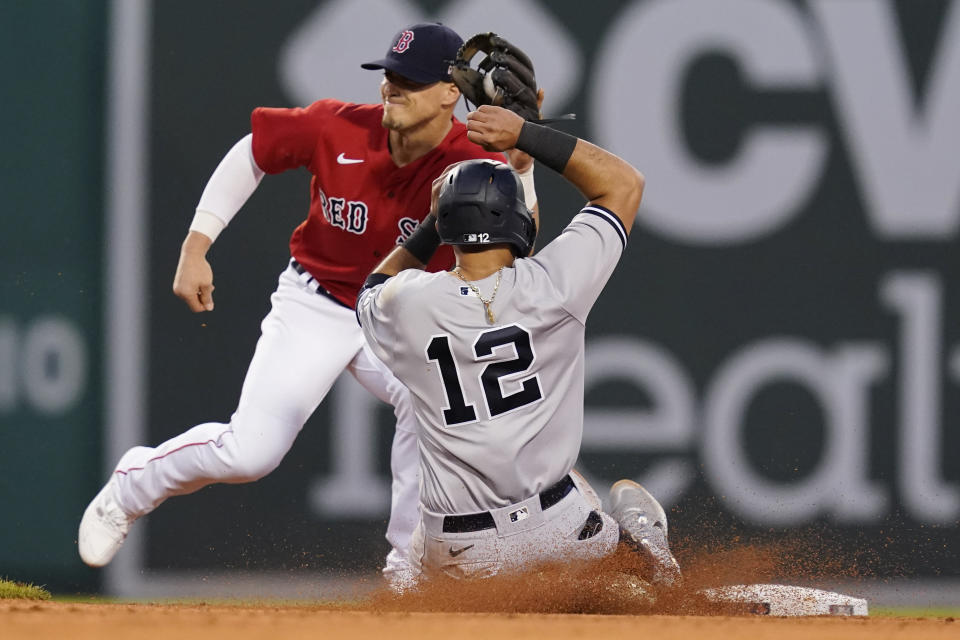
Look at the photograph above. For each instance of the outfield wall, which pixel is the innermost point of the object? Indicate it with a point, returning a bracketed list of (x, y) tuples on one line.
[(51, 293)]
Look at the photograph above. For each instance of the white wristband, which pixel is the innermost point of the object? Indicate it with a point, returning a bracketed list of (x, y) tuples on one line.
[(529, 192), (208, 224)]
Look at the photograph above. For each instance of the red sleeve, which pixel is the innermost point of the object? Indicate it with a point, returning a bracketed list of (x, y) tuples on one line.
[(287, 138)]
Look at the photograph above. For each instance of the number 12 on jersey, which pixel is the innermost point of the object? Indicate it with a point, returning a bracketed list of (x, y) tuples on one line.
[(459, 410)]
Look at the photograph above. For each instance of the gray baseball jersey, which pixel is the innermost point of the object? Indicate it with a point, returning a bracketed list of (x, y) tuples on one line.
[(499, 406)]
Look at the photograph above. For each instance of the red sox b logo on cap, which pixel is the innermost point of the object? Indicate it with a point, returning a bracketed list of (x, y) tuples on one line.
[(406, 37)]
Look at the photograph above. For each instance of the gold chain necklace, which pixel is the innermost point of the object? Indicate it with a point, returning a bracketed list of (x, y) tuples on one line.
[(473, 287)]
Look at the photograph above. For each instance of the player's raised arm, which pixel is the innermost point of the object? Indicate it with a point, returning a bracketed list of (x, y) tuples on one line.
[(231, 185), (601, 176), (522, 163)]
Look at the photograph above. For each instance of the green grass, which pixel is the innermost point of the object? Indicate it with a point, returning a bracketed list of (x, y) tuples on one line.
[(17, 590)]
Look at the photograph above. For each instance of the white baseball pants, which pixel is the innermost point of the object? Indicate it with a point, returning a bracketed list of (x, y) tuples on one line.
[(540, 536), (306, 341)]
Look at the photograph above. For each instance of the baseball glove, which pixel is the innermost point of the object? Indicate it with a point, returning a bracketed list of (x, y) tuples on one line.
[(504, 78)]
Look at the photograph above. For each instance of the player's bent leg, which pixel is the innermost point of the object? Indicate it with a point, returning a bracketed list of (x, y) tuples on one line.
[(306, 342), (146, 476), (643, 525), (556, 526), (374, 376), (575, 529), (404, 510), (458, 553)]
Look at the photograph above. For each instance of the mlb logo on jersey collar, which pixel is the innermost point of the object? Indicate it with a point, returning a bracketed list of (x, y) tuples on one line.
[(464, 291)]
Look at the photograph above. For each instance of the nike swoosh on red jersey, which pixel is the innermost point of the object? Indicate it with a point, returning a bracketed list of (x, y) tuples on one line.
[(342, 159)]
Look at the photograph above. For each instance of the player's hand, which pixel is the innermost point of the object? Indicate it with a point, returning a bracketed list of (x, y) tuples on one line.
[(520, 161), (493, 128), (193, 282)]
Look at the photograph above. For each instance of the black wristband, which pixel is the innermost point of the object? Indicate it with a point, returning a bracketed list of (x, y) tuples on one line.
[(374, 279), (551, 147), (424, 240)]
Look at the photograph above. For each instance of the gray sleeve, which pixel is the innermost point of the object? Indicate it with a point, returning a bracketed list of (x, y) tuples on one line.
[(384, 314), (374, 314), (580, 260)]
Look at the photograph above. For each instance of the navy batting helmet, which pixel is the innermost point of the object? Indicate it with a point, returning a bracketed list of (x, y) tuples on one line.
[(481, 202)]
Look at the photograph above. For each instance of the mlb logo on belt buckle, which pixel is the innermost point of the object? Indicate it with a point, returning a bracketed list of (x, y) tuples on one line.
[(520, 514)]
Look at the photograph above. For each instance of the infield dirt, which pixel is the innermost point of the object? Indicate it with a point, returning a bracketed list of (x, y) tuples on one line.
[(42, 620), (600, 599)]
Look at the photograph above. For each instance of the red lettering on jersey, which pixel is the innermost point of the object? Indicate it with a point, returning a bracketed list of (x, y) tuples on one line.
[(404, 42)]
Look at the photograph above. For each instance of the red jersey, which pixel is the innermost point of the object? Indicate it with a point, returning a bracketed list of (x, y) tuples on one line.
[(361, 204)]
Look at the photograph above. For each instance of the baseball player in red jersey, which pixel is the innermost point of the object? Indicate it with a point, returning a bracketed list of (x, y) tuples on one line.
[(372, 166)]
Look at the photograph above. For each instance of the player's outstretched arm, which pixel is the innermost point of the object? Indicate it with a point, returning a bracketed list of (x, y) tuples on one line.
[(231, 185), (522, 163), (606, 180), (399, 260), (602, 177)]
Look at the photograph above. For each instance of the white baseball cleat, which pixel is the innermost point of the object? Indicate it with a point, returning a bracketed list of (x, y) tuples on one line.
[(643, 525), (103, 528)]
